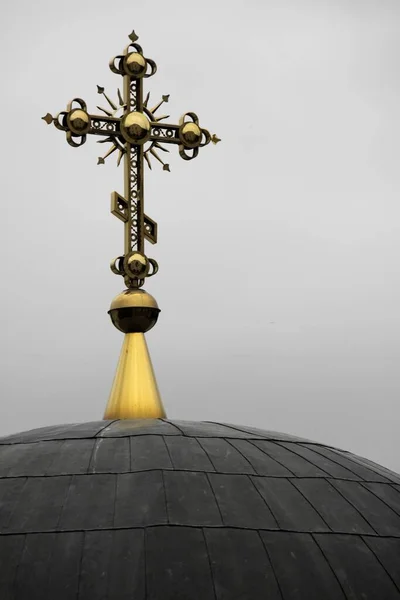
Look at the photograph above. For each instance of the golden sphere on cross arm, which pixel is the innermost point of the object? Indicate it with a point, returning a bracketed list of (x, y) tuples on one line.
[(78, 121), (191, 135), (135, 64), (135, 127)]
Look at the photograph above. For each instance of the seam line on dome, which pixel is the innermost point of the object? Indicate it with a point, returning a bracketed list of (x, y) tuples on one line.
[(311, 504), (271, 564), (329, 565), (279, 444), (249, 439), (64, 502), (287, 437), (241, 454), (105, 427), (15, 503), (168, 452), (271, 457), (165, 495), (209, 563), (349, 467), (264, 500), (219, 472), (378, 497), (130, 454), (215, 496), (92, 459), (173, 425), (197, 526), (381, 563), (358, 510), (81, 564), (370, 465), (363, 516), (253, 484), (312, 461)]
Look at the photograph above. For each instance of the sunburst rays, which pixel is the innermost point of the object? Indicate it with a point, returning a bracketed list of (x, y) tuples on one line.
[(153, 110), (118, 144), (100, 90), (152, 148)]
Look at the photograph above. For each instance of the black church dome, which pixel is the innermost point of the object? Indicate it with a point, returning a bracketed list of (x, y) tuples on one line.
[(158, 509)]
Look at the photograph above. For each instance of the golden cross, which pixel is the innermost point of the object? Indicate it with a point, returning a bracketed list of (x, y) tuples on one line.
[(137, 133)]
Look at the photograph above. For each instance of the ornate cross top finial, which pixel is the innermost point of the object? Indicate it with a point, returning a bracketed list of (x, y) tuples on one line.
[(134, 129)]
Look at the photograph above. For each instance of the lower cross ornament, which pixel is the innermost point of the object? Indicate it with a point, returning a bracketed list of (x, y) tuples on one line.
[(139, 135)]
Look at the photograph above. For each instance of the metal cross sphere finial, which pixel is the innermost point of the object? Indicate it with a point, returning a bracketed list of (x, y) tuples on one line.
[(132, 128)]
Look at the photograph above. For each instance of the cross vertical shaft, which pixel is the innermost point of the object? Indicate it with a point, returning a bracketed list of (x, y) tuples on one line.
[(134, 173)]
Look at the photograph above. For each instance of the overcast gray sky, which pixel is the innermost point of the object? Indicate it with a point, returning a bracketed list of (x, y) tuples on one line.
[(279, 248)]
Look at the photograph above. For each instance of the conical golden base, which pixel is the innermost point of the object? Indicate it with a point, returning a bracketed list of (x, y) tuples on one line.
[(134, 394)]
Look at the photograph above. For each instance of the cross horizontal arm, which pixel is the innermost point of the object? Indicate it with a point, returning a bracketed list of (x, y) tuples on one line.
[(169, 133), (92, 125), (77, 124)]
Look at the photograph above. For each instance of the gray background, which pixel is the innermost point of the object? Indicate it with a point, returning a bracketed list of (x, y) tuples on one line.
[(278, 248)]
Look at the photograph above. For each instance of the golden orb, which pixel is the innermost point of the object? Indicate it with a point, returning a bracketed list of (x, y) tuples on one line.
[(135, 127), (78, 121), (190, 134), (135, 64), (137, 265), (134, 311)]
